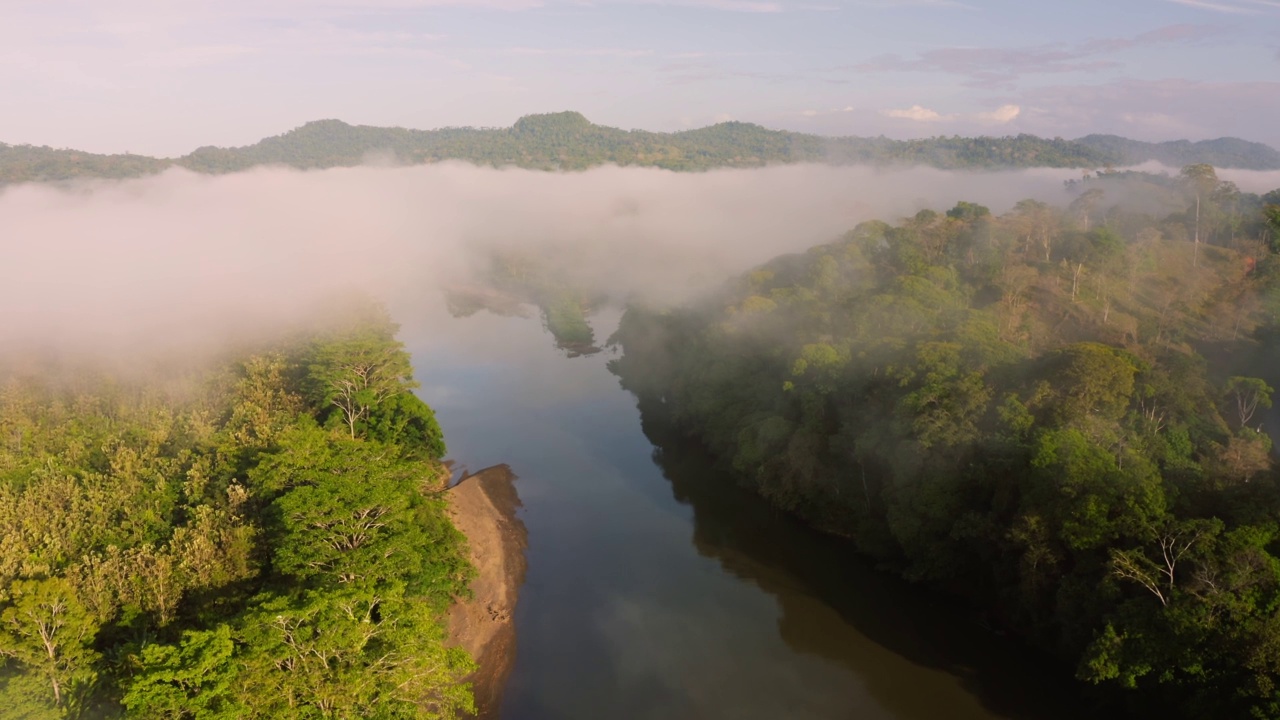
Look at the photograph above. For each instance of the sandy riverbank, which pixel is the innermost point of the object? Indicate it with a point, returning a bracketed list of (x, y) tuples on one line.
[(483, 506)]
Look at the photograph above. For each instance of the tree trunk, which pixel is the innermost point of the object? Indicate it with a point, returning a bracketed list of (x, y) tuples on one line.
[(1195, 253)]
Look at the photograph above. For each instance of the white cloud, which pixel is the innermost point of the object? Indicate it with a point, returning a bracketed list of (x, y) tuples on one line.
[(831, 111), (1002, 114), (917, 113)]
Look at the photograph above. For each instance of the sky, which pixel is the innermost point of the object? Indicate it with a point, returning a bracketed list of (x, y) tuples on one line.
[(162, 78)]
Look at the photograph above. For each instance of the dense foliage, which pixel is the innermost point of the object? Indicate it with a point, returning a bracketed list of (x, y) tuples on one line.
[(568, 141), (1054, 413), (259, 539)]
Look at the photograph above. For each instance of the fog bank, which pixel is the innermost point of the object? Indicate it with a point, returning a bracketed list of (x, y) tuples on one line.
[(1251, 181), (181, 256)]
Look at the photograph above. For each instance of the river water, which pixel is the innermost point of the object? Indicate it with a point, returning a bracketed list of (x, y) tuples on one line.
[(656, 589)]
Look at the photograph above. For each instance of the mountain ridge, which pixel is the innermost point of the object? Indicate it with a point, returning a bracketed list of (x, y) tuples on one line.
[(569, 141), (1243, 154)]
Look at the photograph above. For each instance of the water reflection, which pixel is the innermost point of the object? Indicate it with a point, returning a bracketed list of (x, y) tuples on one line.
[(676, 596), (837, 607)]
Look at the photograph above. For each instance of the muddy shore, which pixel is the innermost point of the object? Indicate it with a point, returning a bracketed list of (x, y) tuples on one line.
[(483, 507)]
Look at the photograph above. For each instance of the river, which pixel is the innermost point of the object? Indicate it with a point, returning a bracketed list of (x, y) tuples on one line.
[(656, 589)]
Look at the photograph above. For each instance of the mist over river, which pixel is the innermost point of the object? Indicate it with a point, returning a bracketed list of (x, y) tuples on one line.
[(657, 589)]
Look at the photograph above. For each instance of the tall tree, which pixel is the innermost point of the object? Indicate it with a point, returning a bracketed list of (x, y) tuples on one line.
[(358, 371), (1202, 180), (1247, 395)]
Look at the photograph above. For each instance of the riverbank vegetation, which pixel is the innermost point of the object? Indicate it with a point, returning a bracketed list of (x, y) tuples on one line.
[(1057, 414), (257, 537)]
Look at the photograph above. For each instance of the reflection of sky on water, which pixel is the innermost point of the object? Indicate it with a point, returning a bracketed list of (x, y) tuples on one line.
[(638, 605)]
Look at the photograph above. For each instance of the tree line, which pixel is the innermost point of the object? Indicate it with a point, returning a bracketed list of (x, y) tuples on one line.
[(568, 141)]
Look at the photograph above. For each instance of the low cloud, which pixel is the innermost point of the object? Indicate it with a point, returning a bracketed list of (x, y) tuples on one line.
[(1258, 182), (179, 258)]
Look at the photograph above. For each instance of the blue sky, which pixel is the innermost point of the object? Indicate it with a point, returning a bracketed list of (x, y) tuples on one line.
[(163, 77)]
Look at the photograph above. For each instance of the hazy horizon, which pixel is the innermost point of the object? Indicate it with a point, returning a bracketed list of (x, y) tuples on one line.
[(132, 75), (179, 257)]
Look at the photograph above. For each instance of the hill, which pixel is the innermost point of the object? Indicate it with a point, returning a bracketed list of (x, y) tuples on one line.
[(568, 141), (30, 163), (1222, 152)]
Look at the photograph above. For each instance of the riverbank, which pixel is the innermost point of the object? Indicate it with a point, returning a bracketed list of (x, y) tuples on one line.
[(483, 507)]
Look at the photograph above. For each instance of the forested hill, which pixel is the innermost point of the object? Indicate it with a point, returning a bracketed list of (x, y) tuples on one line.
[(29, 163), (568, 141), (1223, 152)]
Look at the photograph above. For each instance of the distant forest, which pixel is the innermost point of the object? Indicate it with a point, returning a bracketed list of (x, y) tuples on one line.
[(568, 141)]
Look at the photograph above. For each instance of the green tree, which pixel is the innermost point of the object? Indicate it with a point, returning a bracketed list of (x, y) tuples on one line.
[(1083, 208), (191, 680), (264, 404), (1093, 379), (1202, 181), (360, 378), (1247, 395), (50, 633), (348, 653), (351, 522), (1271, 215), (1037, 224), (357, 373)]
